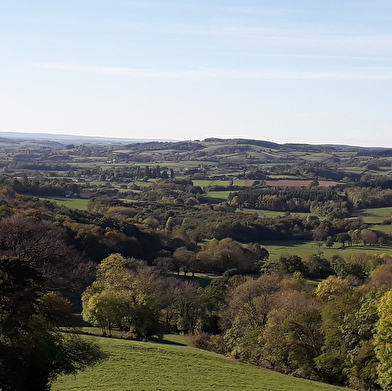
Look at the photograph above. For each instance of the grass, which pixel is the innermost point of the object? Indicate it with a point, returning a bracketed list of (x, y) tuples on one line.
[(145, 184), (169, 339), (140, 366), (303, 248), (207, 182), (217, 182), (73, 203), (374, 215), (383, 228), (272, 213), (223, 195)]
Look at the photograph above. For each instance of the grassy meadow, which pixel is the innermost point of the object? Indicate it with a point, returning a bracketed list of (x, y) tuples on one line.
[(140, 366), (387, 229), (213, 182), (303, 248), (74, 203), (223, 195), (374, 215), (272, 213)]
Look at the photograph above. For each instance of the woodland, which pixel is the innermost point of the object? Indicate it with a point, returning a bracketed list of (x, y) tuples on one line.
[(146, 239)]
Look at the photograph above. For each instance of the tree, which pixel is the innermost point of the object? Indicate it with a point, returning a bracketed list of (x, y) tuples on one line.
[(122, 297), (368, 237), (247, 314), (329, 241), (292, 336), (343, 238), (289, 264), (33, 351), (44, 245), (358, 330), (331, 287), (356, 236), (338, 309), (185, 259), (383, 341), (318, 267), (220, 255)]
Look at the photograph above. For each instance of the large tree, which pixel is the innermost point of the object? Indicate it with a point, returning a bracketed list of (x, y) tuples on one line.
[(383, 341), (123, 297), (33, 351)]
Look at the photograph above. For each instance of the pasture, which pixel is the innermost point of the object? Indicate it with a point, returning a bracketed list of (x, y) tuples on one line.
[(141, 366), (296, 182), (217, 182), (73, 203), (272, 213), (374, 215), (303, 248), (223, 195), (387, 229)]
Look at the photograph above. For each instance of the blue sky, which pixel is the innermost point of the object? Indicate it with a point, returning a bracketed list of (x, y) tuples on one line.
[(285, 71)]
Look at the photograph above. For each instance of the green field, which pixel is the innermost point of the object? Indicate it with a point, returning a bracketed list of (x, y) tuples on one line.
[(272, 213), (383, 228), (374, 215), (144, 183), (302, 248), (140, 366), (73, 203), (223, 195), (217, 182)]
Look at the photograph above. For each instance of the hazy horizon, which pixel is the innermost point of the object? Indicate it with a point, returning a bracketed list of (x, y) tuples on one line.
[(67, 137)]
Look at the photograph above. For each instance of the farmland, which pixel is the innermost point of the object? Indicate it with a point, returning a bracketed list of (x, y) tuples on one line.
[(74, 203), (298, 182), (213, 239), (303, 248), (374, 215)]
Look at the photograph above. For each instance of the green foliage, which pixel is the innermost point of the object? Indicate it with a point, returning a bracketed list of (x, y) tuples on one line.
[(253, 331), (217, 256), (292, 337), (118, 298), (288, 264), (33, 351), (383, 341), (331, 288)]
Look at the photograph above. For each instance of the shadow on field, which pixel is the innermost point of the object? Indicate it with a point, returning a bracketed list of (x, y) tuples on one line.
[(169, 339), (166, 342)]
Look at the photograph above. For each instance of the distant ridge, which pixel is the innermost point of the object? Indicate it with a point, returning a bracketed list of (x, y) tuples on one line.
[(297, 146), (65, 138), (12, 137)]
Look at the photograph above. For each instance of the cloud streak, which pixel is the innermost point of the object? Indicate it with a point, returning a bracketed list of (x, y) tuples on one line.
[(356, 74)]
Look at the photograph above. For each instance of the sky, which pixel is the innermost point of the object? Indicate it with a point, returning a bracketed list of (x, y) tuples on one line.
[(304, 71)]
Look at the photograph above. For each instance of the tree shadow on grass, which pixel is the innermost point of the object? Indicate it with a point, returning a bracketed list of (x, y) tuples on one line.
[(166, 342), (115, 334)]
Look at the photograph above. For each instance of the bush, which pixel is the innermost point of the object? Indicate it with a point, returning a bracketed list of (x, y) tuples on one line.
[(213, 343)]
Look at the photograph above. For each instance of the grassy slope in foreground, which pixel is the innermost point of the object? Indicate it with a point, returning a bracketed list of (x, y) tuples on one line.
[(139, 366)]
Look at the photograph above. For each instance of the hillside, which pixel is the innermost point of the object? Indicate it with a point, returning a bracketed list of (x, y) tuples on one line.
[(136, 366)]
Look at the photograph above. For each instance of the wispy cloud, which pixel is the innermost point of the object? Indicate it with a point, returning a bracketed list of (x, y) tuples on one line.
[(356, 74), (93, 69)]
